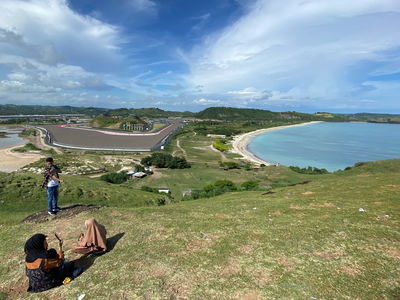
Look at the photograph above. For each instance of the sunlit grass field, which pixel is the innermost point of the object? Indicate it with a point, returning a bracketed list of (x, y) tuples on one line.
[(308, 241)]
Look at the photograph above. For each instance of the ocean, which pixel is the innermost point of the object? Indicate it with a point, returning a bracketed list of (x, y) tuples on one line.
[(332, 146), (12, 138)]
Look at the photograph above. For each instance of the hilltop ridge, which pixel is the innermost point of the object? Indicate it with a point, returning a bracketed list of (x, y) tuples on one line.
[(210, 113)]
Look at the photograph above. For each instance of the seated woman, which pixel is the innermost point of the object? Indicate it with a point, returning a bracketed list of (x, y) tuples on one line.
[(44, 268), (94, 240)]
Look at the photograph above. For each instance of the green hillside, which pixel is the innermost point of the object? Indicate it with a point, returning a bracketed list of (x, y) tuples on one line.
[(22, 194), (12, 109), (230, 113), (103, 121), (300, 242), (379, 118), (152, 112), (211, 113)]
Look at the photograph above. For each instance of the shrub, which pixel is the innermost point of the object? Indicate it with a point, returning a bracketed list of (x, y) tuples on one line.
[(139, 168), (218, 188), (149, 189), (163, 160), (249, 185), (28, 132), (230, 164), (309, 170), (220, 144), (26, 148), (116, 178), (225, 185)]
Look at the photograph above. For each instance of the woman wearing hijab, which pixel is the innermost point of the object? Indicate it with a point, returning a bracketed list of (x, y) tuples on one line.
[(46, 268), (94, 240), (43, 267)]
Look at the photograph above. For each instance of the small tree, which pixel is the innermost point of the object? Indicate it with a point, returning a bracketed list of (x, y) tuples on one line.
[(249, 185), (116, 178)]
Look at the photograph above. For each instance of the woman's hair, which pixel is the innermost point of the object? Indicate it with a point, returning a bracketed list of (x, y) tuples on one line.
[(34, 247)]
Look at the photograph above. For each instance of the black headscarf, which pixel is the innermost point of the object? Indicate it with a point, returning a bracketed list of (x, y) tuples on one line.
[(34, 248)]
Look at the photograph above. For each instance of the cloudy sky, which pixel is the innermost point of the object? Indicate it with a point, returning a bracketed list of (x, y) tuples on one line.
[(304, 55)]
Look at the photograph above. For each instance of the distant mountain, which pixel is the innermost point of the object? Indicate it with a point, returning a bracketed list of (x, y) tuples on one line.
[(11, 109), (211, 113), (151, 112), (379, 118), (244, 114)]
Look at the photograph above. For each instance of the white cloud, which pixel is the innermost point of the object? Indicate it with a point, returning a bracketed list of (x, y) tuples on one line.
[(307, 49), (204, 101), (49, 28), (148, 6), (14, 86), (46, 47)]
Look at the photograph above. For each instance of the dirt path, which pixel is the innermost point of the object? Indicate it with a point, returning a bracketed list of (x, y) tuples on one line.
[(180, 148), (223, 157)]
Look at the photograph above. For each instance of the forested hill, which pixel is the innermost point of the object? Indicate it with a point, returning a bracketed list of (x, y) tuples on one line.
[(244, 114), (381, 118), (230, 113), (211, 113), (11, 109), (152, 112)]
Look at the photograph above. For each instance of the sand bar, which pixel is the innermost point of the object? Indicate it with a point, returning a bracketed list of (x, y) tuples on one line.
[(240, 142), (12, 161)]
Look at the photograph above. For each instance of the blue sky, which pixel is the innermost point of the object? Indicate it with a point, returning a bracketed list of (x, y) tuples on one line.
[(303, 55)]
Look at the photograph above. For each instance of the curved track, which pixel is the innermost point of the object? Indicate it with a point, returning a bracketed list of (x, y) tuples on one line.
[(96, 139)]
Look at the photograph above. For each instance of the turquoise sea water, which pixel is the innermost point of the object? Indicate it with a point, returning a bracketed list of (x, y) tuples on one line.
[(331, 146), (12, 138)]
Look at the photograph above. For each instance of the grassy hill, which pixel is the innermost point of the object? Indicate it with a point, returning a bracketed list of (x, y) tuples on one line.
[(114, 122), (22, 194), (212, 113), (151, 112), (379, 118), (240, 114), (12, 109), (297, 237), (301, 242)]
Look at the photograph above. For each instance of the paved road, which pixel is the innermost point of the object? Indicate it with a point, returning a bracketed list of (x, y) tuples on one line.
[(82, 138)]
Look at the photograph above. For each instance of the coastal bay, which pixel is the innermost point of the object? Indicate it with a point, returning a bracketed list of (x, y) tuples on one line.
[(240, 142), (327, 145)]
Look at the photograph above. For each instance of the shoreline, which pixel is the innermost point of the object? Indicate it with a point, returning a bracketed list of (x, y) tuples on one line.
[(13, 161), (240, 142)]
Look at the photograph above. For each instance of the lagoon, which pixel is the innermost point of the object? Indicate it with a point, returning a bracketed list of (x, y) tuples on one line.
[(12, 138), (332, 146)]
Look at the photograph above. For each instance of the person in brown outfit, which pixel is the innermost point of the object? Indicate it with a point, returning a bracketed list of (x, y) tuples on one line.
[(94, 240)]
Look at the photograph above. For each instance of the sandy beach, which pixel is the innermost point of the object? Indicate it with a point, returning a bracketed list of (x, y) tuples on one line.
[(240, 142), (12, 161)]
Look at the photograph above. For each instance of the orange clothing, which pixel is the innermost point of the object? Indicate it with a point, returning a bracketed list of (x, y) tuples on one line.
[(46, 264)]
